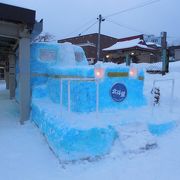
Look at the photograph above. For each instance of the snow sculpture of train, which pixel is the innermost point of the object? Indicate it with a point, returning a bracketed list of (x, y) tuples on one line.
[(70, 99)]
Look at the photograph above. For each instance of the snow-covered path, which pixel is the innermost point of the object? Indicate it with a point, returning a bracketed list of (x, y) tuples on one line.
[(25, 155)]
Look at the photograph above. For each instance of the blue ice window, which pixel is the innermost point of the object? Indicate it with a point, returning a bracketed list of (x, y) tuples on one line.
[(47, 55)]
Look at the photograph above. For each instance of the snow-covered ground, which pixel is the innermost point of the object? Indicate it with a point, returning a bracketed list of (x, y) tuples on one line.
[(25, 155)]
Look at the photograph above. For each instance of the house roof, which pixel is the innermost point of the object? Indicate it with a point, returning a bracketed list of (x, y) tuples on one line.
[(153, 44), (85, 37), (128, 43), (11, 18), (17, 15), (131, 38)]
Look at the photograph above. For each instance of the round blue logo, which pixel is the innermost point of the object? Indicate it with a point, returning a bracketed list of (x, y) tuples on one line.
[(118, 92)]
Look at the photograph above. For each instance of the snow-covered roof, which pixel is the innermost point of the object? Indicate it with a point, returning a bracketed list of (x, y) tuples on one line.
[(152, 44), (86, 44), (128, 44)]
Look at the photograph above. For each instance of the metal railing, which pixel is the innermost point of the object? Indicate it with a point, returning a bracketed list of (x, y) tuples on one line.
[(172, 90), (83, 79)]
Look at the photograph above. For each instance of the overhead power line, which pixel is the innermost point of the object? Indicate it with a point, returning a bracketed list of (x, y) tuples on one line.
[(89, 27), (126, 26), (81, 27), (147, 3)]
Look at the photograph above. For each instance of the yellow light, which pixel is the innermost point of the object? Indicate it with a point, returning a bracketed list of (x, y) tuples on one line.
[(133, 72), (107, 56), (99, 73)]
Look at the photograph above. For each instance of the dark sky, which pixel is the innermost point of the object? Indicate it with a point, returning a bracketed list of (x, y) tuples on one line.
[(65, 18)]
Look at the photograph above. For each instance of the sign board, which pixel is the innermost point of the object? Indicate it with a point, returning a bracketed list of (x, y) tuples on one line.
[(118, 92)]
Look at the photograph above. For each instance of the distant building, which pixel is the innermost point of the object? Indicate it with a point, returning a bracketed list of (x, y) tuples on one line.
[(174, 53), (113, 49), (135, 48), (89, 44)]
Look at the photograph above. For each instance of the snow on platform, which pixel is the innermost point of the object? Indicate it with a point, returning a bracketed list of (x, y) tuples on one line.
[(24, 153)]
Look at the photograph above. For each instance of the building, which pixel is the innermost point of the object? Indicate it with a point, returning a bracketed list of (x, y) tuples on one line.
[(133, 49), (89, 44), (116, 50), (174, 53), (17, 28)]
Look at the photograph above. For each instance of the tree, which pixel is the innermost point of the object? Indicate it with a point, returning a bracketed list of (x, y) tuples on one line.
[(44, 37)]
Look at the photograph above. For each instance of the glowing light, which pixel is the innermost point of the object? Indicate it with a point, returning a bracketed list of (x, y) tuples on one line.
[(99, 73), (132, 53), (107, 56), (133, 72)]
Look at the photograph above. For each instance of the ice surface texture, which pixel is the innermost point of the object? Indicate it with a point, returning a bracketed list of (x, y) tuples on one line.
[(49, 62), (161, 129), (70, 143)]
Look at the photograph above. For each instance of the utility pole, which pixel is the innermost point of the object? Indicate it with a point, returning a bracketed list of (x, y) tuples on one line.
[(165, 60), (99, 37)]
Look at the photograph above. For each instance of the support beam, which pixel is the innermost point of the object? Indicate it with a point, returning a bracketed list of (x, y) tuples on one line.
[(12, 78), (6, 74), (128, 60), (24, 78), (9, 30), (16, 25)]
